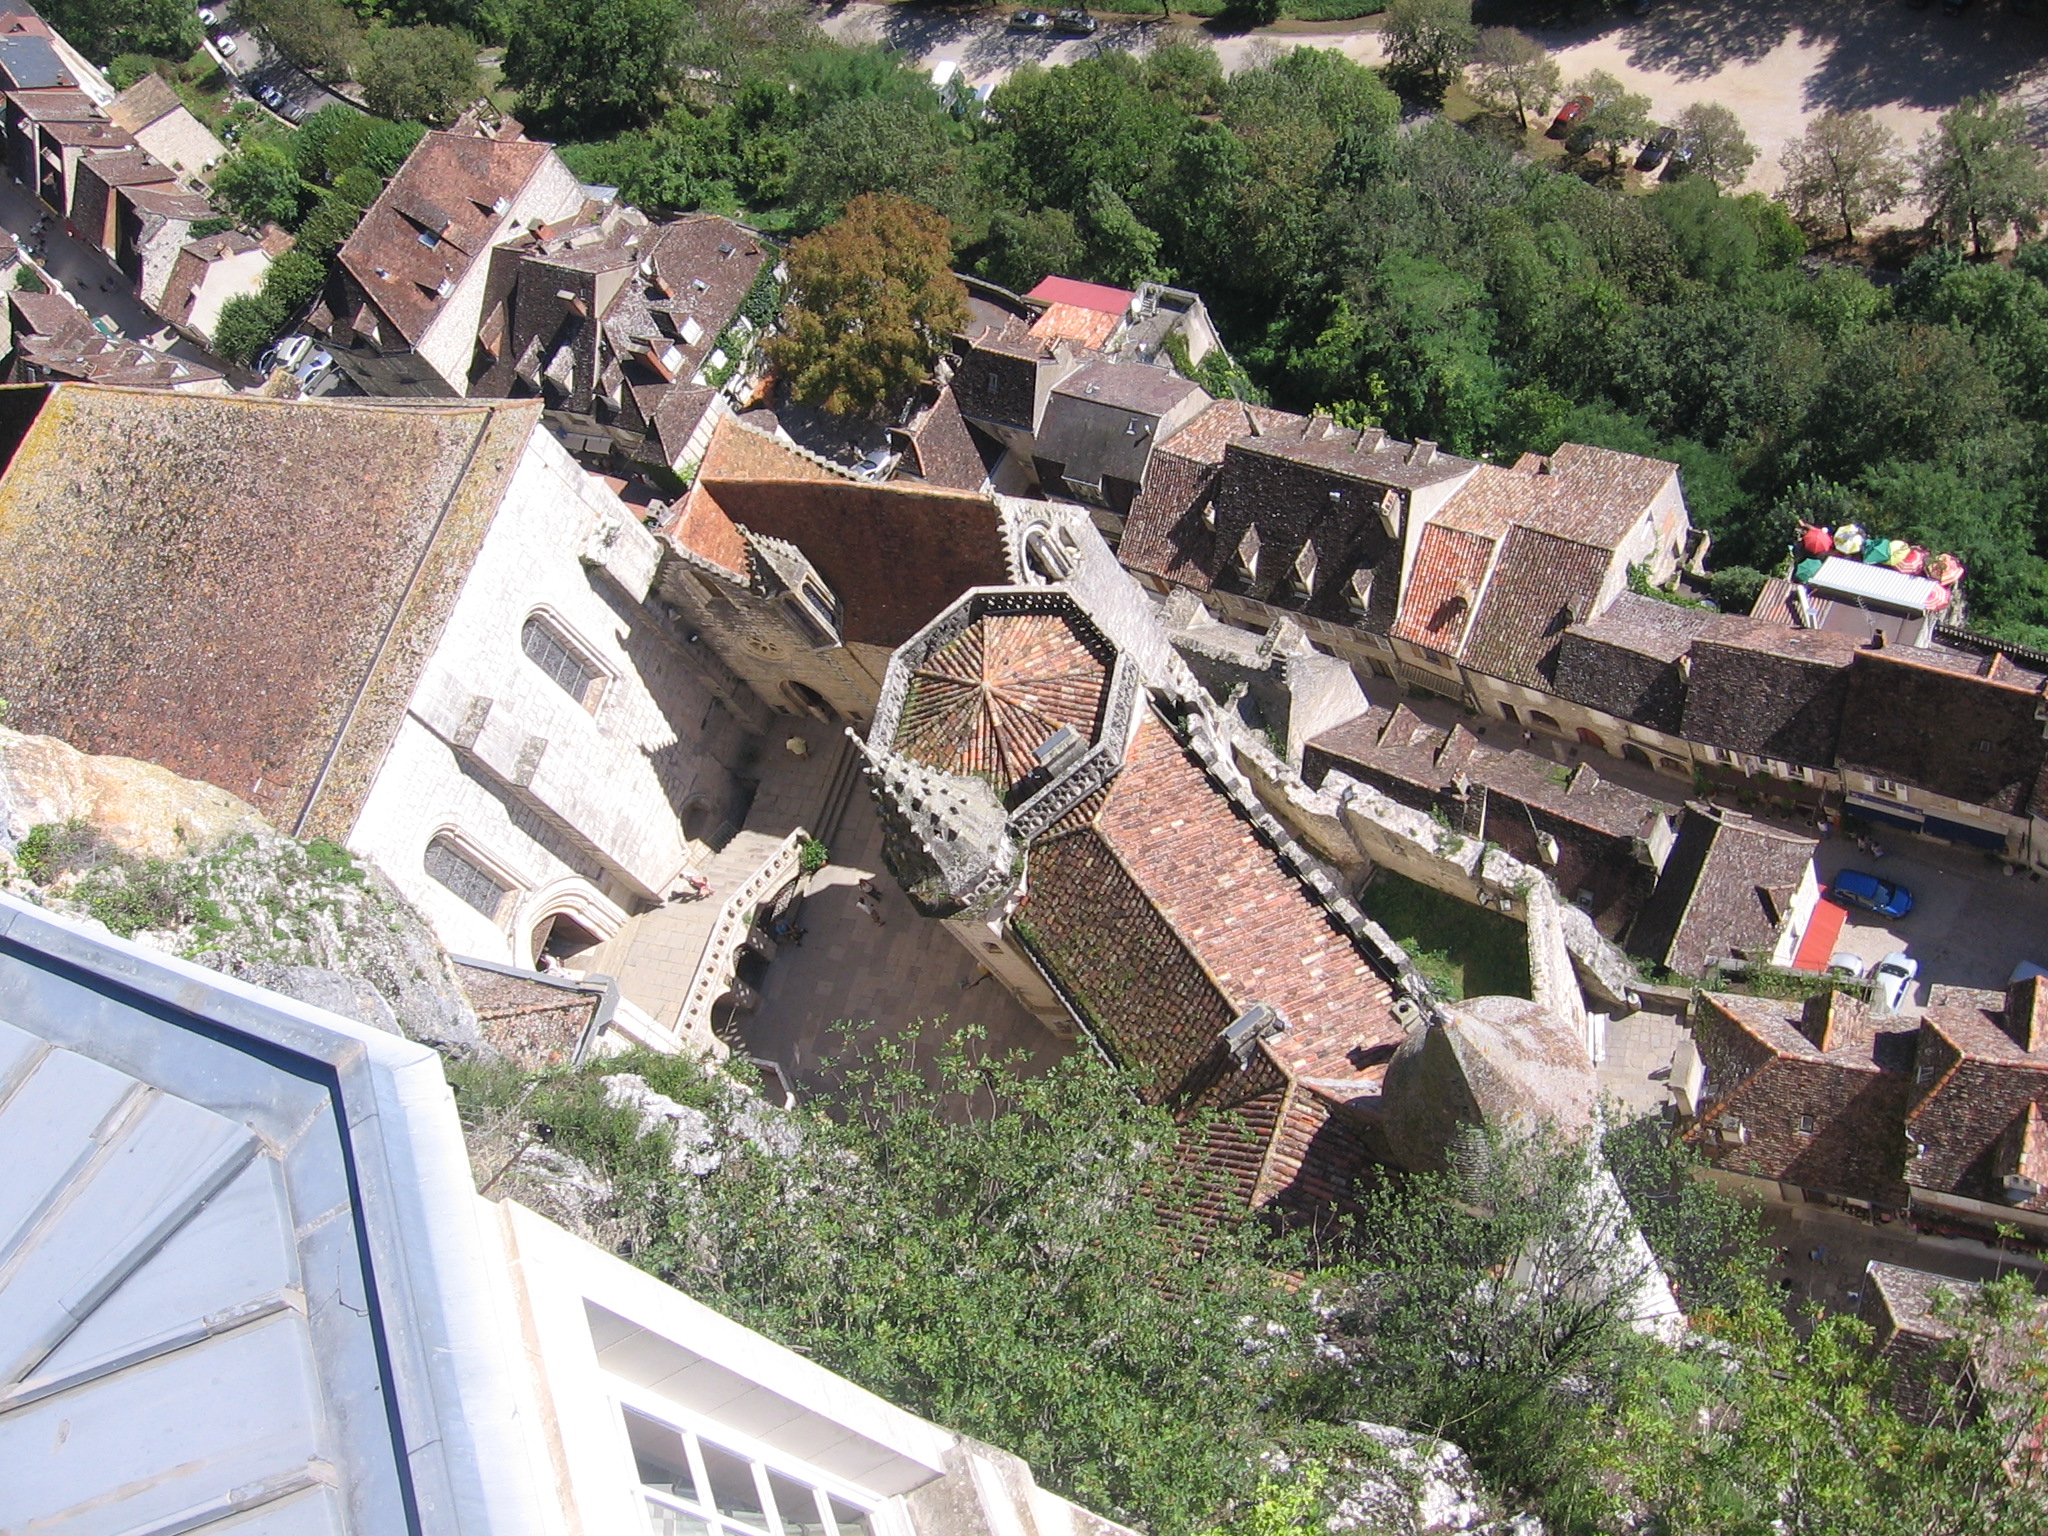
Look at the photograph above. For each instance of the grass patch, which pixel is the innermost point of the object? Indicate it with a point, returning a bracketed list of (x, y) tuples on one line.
[(1465, 950)]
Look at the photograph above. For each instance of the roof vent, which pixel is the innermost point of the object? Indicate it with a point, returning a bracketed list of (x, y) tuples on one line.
[(1242, 1035), (1423, 453), (445, 287), (726, 248)]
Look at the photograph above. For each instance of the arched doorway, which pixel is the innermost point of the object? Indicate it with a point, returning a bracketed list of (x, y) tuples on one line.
[(1636, 754), (1591, 739), (563, 939), (806, 700)]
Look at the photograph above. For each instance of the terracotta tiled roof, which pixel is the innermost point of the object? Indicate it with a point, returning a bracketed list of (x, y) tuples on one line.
[(985, 701), (1625, 662), (448, 188), (534, 1021), (1164, 533), (1726, 886), (1767, 689), (143, 103), (1443, 588), (941, 448), (1070, 322), (264, 580), (1595, 495), (1767, 1077), (125, 168), (736, 452), (54, 106), (1977, 1104), (1368, 455), (1911, 714), (896, 555), (1541, 585)]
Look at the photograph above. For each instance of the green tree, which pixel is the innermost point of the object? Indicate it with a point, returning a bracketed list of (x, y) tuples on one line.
[(422, 74), (102, 29), (245, 327), (878, 143), (259, 184), (1618, 116), (1979, 173), (591, 66), (1024, 247), (1714, 144), (1428, 42), (1846, 166), (1186, 72), (1512, 72), (1122, 250), (323, 36), (1060, 130), (1898, 391), (872, 303)]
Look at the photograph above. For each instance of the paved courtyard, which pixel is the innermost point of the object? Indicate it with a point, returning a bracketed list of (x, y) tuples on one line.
[(1970, 924), (880, 978)]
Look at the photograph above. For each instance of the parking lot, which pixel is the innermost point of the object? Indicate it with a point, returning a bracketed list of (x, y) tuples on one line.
[(1970, 923)]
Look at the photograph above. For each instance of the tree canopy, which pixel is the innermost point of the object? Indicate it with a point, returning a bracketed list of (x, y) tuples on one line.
[(1004, 1250), (421, 74), (1847, 165), (872, 302), (104, 29)]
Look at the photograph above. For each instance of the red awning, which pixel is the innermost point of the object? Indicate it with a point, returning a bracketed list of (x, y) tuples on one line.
[(1822, 929)]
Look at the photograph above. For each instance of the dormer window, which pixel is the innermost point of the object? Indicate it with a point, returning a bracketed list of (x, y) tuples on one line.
[(429, 239), (1359, 591), (1305, 570), (1390, 513), (1248, 554)]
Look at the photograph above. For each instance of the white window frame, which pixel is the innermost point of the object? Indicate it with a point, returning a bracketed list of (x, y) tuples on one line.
[(625, 1395)]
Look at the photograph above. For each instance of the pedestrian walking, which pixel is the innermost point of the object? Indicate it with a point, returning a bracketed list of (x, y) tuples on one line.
[(868, 905), (869, 889)]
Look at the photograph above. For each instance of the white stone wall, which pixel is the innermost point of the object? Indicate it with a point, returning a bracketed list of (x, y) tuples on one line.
[(578, 809), (551, 193), (228, 278)]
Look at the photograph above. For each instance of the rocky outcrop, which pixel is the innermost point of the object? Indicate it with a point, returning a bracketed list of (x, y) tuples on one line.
[(189, 869), (136, 807)]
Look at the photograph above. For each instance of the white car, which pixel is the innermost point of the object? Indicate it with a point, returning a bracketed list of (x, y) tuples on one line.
[(208, 15), (314, 368), (226, 45), (1846, 964), (291, 352), (1893, 979)]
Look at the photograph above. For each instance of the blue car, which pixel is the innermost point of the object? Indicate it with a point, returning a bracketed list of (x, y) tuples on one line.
[(1857, 889)]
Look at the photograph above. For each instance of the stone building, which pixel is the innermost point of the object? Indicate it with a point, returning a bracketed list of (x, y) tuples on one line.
[(255, 1287), (151, 112), (623, 327), (422, 631), (408, 303), (805, 579), (1834, 1103), (1731, 887), (1066, 823)]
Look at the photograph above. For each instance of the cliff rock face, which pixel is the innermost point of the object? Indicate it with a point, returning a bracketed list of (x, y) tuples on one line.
[(136, 807), (192, 870)]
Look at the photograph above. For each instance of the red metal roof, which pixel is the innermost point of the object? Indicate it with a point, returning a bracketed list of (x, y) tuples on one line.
[(1099, 296)]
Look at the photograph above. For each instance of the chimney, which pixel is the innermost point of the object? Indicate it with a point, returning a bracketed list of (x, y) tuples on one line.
[(1817, 1018), (1423, 453), (2026, 1014)]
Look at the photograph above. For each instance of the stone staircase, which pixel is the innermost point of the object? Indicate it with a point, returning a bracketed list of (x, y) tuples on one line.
[(677, 960)]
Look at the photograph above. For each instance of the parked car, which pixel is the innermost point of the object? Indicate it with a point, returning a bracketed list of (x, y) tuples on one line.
[(1884, 897), (1846, 964), (1568, 114), (1893, 978), (226, 45), (314, 368), (1030, 21), (270, 96), (208, 16), (287, 354), (1074, 24), (1655, 152)]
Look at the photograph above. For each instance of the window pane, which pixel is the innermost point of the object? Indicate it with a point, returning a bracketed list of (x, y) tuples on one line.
[(852, 1521), (554, 658), (464, 878), (797, 1503), (673, 1522), (733, 1489), (658, 1453)]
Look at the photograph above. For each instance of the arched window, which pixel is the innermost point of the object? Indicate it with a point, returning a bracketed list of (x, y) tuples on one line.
[(467, 878), (565, 664), (1548, 722), (1046, 557)]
